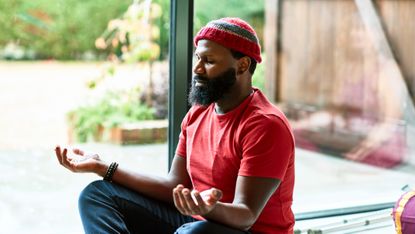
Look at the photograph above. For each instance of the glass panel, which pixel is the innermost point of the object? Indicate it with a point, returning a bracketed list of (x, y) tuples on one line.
[(77, 73), (350, 103), (365, 116), (345, 84)]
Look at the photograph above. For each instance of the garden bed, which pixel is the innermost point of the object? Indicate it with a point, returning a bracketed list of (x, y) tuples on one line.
[(143, 132)]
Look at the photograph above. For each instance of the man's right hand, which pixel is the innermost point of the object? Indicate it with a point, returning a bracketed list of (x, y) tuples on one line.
[(80, 161), (194, 202)]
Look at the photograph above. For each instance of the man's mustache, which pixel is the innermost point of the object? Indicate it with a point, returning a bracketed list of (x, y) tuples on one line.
[(200, 78)]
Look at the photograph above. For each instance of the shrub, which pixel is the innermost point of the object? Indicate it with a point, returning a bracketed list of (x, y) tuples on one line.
[(115, 108)]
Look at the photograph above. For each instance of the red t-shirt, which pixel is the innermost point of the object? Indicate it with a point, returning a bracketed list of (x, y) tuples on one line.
[(254, 139)]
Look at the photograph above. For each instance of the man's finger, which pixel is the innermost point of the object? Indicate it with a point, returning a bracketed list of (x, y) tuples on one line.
[(177, 202), (65, 160), (78, 152), (58, 154), (181, 202), (214, 196), (182, 199), (200, 204), (217, 194), (189, 204)]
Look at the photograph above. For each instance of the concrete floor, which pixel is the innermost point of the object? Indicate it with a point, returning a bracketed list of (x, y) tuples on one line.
[(37, 195), (325, 183)]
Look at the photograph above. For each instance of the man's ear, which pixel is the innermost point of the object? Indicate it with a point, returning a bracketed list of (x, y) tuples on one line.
[(243, 65)]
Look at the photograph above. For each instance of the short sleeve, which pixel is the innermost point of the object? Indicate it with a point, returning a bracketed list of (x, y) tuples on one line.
[(267, 147), (181, 145)]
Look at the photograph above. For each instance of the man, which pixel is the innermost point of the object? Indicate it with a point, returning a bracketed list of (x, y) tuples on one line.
[(234, 166)]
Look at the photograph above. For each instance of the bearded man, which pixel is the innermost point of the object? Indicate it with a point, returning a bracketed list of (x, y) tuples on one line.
[(233, 171)]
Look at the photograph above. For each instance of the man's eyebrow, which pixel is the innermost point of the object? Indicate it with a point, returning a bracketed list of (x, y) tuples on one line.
[(203, 53)]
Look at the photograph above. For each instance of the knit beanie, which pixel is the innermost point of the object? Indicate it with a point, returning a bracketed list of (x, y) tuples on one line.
[(233, 33)]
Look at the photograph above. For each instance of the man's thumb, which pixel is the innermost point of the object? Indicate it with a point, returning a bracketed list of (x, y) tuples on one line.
[(217, 194)]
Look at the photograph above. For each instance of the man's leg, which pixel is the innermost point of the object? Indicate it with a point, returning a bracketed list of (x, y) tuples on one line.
[(207, 227), (109, 208)]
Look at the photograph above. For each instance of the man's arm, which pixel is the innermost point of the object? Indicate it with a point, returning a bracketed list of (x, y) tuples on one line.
[(252, 193), (152, 186)]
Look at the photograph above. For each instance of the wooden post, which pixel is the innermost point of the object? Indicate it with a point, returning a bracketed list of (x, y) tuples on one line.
[(271, 49)]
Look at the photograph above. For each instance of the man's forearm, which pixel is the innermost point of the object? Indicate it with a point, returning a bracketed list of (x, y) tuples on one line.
[(153, 186), (234, 215)]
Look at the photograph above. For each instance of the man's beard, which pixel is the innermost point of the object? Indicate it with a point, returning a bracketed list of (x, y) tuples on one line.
[(213, 89)]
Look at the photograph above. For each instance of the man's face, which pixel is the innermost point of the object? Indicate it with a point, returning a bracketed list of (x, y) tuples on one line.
[(214, 73)]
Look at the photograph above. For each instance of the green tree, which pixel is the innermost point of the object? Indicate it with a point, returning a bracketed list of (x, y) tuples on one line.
[(59, 29), (134, 37)]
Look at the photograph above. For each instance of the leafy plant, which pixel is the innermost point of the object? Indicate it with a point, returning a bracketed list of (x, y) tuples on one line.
[(135, 37), (258, 79), (59, 29), (113, 109)]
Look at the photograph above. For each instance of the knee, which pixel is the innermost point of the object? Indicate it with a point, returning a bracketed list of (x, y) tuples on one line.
[(206, 227), (199, 227), (90, 193)]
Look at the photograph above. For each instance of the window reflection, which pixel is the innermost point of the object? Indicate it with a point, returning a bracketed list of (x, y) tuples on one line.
[(362, 118)]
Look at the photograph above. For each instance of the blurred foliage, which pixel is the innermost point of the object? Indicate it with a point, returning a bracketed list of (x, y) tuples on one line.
[(135, 36), (131, 37), (67, 29), (113, 109), (59, 29), (258, 79)]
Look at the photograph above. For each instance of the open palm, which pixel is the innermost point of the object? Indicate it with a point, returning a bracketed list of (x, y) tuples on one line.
[(79, 161)]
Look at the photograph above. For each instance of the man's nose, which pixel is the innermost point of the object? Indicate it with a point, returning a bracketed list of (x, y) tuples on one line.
[(198, 67)]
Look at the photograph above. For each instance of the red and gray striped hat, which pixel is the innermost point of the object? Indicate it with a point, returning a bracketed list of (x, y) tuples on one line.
[(233, 33)]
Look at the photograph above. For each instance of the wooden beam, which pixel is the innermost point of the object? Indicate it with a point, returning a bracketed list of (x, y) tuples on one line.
[(377, 34), (271, 49)]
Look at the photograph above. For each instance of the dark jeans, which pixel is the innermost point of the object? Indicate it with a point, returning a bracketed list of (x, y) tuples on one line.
[(109, 208)]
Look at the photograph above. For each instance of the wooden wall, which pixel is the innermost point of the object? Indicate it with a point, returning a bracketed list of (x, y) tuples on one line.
[(320, 46), (398, 17)]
